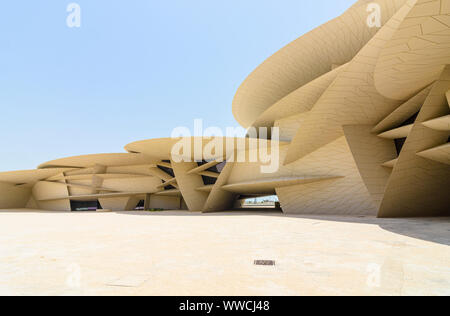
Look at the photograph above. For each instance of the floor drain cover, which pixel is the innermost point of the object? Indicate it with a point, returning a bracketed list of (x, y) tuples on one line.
[(264, 262)]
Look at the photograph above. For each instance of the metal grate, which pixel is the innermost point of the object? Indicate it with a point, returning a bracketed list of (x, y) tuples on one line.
[(264, 262)]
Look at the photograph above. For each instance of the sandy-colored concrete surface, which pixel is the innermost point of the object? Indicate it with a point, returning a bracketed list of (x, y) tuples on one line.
[(179, 253)]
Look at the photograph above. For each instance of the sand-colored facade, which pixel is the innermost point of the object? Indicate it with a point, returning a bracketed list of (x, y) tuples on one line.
[(364, 121)]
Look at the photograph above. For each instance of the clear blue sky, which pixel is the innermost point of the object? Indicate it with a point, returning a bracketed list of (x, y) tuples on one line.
[(134, 70)]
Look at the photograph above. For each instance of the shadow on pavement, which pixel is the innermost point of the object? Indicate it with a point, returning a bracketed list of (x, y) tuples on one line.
[(436, 230)]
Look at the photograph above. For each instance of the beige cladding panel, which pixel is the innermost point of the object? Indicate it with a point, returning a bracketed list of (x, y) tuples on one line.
[(32, 203), (188, 183), (439, 124), (347, 195), (370, 153), (79, 187), (418, 51), (419, 186), (118, 204), (267, 186), (352, 99), (13, 196), (337, 189), (29, 177), (138, 169), (165, 202), (439, 154), (56, 205), (289, 126), (73, 190), (219, 199), (86, 171), (141, 184), (400, 132), (44, 190), (88, 161), (300, 101), (402, 113)]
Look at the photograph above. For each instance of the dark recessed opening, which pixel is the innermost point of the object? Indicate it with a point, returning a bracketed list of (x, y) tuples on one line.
[(169, 187), (140, 206), (410, 121), (399, 143), (169, 171), (209, 180), (85, 206), (217, 168), (220, 166)]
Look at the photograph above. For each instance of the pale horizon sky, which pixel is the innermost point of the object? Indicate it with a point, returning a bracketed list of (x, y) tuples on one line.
[(134, 70)]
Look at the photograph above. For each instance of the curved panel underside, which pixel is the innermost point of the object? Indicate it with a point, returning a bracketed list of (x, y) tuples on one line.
[(307, 58), (352, 99), (119, 159), (299, 101)]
